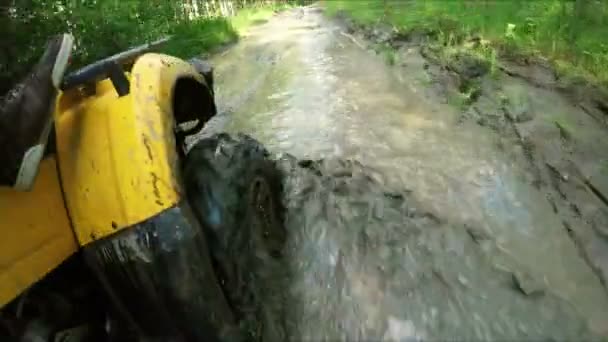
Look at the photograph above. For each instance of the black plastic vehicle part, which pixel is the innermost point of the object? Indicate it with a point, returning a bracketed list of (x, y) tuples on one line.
[(104, 68), (160, 277)]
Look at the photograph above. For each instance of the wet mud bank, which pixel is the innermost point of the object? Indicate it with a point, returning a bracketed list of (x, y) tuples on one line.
[(556, 125)]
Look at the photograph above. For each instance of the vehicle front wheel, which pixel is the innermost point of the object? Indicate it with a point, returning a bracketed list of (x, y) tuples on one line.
[(234, 190)]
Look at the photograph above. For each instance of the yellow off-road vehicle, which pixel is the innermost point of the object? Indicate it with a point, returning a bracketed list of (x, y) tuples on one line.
[(125, 234)]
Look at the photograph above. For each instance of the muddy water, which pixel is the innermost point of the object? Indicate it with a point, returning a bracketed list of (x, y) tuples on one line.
[(299, 85)]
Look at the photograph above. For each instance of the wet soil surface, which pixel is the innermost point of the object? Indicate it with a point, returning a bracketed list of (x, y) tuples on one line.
[(424, 220)]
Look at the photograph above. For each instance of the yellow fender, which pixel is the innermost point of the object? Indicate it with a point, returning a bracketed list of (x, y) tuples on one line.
[(117, 155), (36, 236)]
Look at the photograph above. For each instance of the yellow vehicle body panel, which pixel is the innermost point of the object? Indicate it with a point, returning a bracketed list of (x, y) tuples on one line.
[(118, 158), (36, 236)]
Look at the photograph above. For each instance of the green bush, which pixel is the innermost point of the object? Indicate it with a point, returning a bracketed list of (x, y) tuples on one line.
[(199, 35), (101, 28), (105, 27)]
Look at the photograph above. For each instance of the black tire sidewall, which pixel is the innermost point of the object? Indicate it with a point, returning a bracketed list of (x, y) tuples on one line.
[(219, 174)]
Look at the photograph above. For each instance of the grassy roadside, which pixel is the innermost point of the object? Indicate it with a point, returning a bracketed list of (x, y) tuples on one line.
[(205, 34), (123, 24), (198, 36), (571, 34), (249, 17)]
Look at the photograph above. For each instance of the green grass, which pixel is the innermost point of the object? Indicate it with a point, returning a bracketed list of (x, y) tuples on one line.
[(249, 17), (202, 35), (425, 80), (390, 56), (387, 52), (565, 129), (246, 18), (459, 100), (198, 36), (123, 25), (564, 123), (573, 37)]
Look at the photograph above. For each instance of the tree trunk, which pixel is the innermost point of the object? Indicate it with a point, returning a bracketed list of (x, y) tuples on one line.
[(223, 8), (195, 8), (207, 10)]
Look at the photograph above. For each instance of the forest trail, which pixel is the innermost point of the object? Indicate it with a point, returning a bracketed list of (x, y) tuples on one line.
[(520, 171)]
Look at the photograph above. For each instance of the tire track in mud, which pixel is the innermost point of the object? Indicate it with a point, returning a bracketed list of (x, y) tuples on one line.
[(583, 99), (448, 77), (556, 179), (365, 262), (550, 179)]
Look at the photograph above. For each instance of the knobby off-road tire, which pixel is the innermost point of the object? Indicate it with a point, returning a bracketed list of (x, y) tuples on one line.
[(235, 192)]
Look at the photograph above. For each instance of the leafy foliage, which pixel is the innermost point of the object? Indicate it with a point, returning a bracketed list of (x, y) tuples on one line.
[(105, 27), (571, 33)]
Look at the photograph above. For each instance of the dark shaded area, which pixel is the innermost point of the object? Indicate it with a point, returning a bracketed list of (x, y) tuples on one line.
[(161, 280), (67, 301), (100, 28), (234, 189), (259, 21)]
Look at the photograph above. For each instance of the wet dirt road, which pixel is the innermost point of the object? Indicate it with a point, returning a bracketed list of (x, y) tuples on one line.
[(300, 86)]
